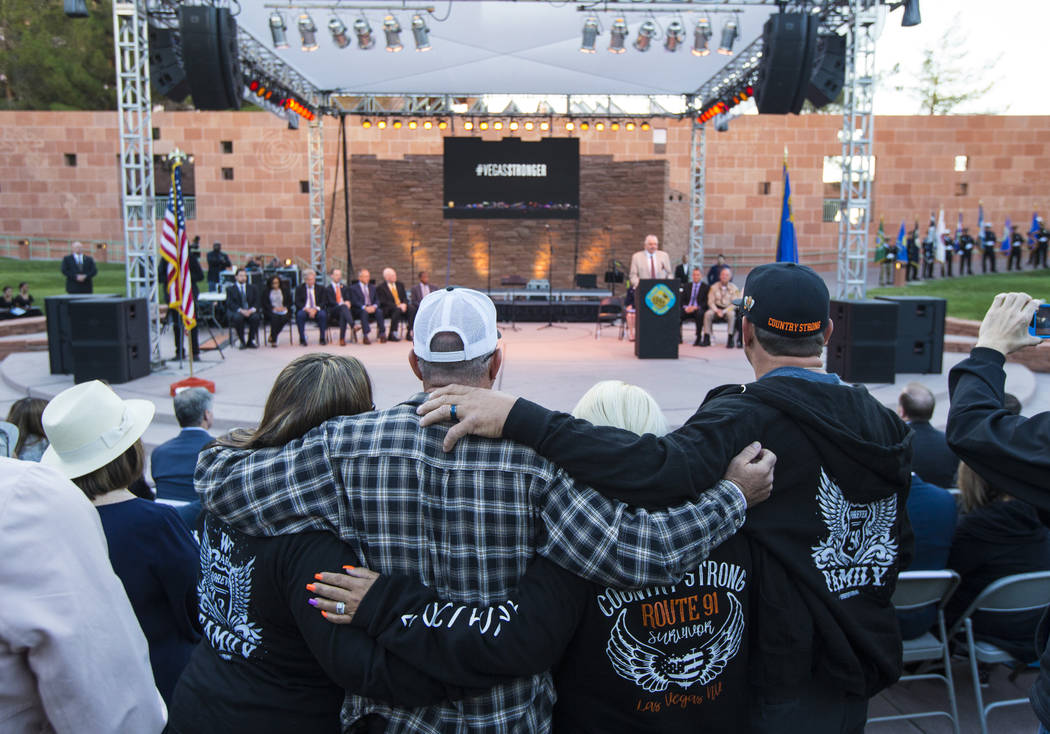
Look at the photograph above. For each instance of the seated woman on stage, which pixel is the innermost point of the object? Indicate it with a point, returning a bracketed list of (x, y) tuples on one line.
[(629, 312), (276, 306), (269, 662)]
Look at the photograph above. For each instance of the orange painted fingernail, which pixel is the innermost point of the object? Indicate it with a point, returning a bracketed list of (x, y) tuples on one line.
[(324, 614), (349, 568), (311, 587), (318, 577)]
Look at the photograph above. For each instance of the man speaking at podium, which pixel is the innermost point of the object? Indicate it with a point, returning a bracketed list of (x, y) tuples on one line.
[(652, 262)]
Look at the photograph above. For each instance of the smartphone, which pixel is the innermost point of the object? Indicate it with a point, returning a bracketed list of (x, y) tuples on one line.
[(1040, 325)]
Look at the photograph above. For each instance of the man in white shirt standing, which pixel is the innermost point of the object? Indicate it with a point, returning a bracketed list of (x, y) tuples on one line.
[(652, 262)]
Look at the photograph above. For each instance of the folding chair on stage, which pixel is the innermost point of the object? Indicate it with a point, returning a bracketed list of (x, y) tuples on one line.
[(610, 310), (1022, 592), (916, 590)]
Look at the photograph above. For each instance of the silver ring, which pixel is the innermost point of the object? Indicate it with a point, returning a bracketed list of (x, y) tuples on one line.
[(340, 607), (452, 412)]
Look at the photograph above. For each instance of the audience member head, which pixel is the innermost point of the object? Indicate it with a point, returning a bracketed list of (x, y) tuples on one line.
[(389, 275), (274, 283), (455, 339), (308, 391), (9, 292), (364, 276), (78, 248), (652, 243), (1010, 403), (725, 275), (916, 403), (697, 275), (216, 246), (337, 275), (721, 259), (424, 277), (23, 287), (95, 437), (241, 275), (309, 277), (973, 490), (786, 310), (617, 404), (25, 414), (193, 408)]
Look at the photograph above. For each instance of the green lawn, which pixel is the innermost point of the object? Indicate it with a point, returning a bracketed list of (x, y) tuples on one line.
[(969, 297), (45, 277)]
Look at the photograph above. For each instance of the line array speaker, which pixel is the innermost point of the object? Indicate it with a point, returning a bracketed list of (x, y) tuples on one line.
[(788, 43), (829, 70), (920, 333), (165, 65), (209, 56), (863, 343)]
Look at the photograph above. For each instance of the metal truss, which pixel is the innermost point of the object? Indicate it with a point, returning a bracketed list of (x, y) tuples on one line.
[(315, 146), (475, 105), (857, 136), (255, 55), (698, 194), (130, 41)]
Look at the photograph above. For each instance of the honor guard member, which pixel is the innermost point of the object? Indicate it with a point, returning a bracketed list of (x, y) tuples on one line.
[(965, 249), (988, 243)]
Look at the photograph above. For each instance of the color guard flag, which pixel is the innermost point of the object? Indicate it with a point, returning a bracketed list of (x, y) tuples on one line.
[(1033, 229), (1005, 246), (939, 237), (787, 243), (902, 247), (175, 249)]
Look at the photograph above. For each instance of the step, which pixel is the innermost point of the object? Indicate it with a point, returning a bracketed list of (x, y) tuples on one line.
[(24, 325)]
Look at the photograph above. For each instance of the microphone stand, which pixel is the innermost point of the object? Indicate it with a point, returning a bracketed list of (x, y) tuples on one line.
[(550, 286)]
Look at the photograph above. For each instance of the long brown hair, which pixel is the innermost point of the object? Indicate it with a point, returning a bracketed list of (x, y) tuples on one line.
[(974, 491), (26, 415), (308, 391)]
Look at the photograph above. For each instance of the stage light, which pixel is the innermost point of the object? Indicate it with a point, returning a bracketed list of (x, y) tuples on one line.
[(674, 36), (363, 30), (600, 126), (529, 125), (287, 262), (392, 29), (729, 34), (570, 126), (617, 36), (513, 125), (701, 35), (645, 126), (427, 125), (468, 125), (615, 126), (381, 124), (397, 124), (645, 36), (590, 35), (630, 126), (497, 125), (338, 30), (484, 126), (76, 9), (420, 33), (545, 126), (278, 30), (308, 31), (412, 124), (442, 125), (585, 126), (912, 16), (366, 124)]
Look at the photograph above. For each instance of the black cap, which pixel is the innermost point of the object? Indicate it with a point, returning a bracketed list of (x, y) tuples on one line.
[(786, 298)]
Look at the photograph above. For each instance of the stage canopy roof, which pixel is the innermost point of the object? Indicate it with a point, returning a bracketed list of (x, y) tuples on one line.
[(512, 48)]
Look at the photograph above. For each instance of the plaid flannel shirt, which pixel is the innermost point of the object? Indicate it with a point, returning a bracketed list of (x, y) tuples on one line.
[(466, 523)]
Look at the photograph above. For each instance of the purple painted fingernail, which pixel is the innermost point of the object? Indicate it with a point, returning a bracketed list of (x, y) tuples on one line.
[(312, 602)]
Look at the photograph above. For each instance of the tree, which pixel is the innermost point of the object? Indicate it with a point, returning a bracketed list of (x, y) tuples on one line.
[(51, 62), (944, 82)]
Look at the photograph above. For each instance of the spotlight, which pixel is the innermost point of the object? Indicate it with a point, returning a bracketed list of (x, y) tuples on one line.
[(278, 30), (590, 35), (529, 125), (600, 126), (392, 29), (497, 125), (617, 36), (397, 124), (381, 124), (338, 31), (308, 31), (614, 126), (287, 262), (645, 126), (412, 124), (484, 126), (570, 126), (427, 125), (366, 124), (911, 13), (442, 125), (630, 126), (645, 36), (701, 35), (420, 33), (729, 34), (675, 36), (513, 125), (468, 125), (585, 126), (545, 126), (363, 29)]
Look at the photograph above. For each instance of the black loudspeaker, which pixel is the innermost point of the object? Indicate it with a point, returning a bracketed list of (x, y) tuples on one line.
[(59, 330), (110, 339), (863, 344), (829, 70), (788, 44), (920, 333), (165, 64), (209, 56), (586, 280)]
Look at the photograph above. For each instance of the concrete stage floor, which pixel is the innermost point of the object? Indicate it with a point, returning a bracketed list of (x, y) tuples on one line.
[(554, 367)]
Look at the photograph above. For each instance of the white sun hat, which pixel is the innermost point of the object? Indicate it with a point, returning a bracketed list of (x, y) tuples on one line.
[(89, 426)]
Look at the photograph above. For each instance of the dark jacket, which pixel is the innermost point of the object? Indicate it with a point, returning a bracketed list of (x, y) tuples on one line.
[(932, 513), (1009, 452), (269, 662), (71, 271), (173, 462), (826, 547), (386, 298), (196, 276), (320, 296), (234, 302), (267, 307), (357, 297), (217, 262), (344, 290), (931, 458)]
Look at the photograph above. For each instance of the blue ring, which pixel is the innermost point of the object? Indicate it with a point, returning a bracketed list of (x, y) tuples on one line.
[(452, 412)]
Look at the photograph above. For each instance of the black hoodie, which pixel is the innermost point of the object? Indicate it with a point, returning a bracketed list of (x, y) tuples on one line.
[(826, 547)]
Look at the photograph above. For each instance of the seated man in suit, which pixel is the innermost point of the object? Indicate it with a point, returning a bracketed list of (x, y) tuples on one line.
[(393, 301), (694, 303), (720, 306), (651, 262), (931, 458), (338, 294), (310, 302), (173, 462), (242, 306), (419, 291), (364, 305)]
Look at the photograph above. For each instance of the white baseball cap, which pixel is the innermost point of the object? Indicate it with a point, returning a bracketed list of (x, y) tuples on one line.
[(467, 313)]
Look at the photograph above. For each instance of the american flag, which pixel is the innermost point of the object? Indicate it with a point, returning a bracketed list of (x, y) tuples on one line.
[(174, 247)]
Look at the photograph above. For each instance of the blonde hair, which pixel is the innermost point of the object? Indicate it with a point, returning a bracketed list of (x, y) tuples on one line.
[(617, 404), (973, 490)]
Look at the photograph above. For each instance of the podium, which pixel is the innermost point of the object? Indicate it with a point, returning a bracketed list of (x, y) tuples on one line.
[(658, 319)]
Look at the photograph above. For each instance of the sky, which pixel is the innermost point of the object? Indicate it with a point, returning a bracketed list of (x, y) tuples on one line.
[(1015, 31)]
